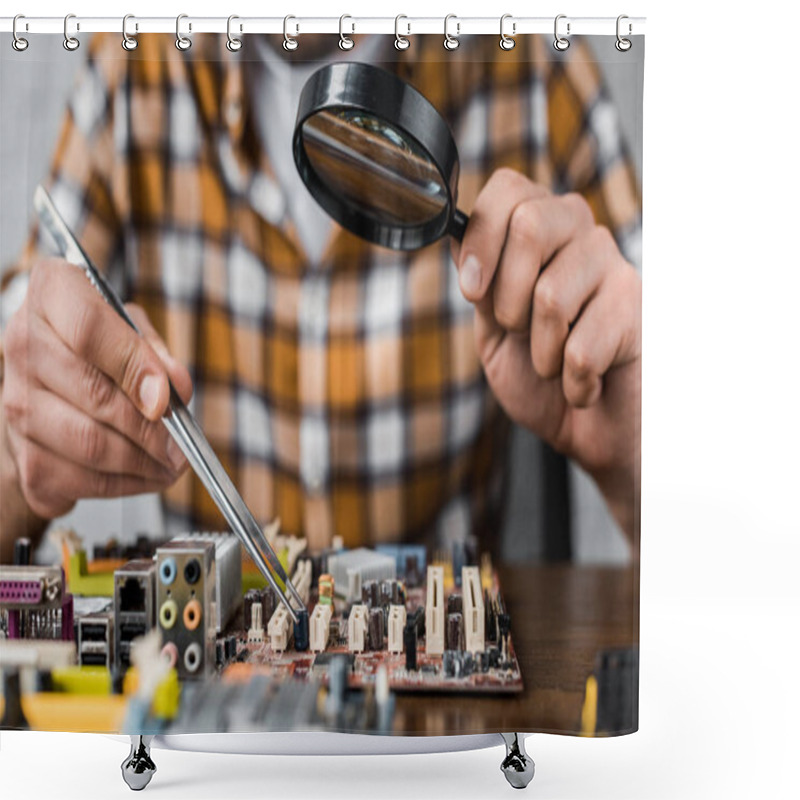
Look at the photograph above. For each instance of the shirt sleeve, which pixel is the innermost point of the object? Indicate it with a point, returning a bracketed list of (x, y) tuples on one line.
[(587, 149), (84, 174)]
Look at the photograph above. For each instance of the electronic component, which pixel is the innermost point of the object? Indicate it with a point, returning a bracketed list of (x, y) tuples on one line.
[(458, 664), (325, 589), (357, 629), (256, 632), (454, 604), (394, 628), (434, 612), (302, 579), (370, 594), (454, 633), (134, 607), (410, 560), (320, 625), (473, 611), (95, 636), (350, 568), (280, 629), (228, 565), (375, 629), (186, 596), (301, 626), (410, 644)]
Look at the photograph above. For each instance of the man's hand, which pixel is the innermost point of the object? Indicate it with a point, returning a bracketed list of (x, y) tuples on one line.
[(82, 397), (558, 328)]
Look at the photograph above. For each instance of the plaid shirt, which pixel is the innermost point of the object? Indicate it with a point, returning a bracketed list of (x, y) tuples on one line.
[(346, 398)]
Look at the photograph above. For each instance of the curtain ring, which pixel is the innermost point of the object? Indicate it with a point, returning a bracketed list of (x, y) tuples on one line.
[(233, 44), (345, 42), (182, 42), (18, 43), (289, 42), (506, 42), (451, 42), (622, 44), (561, 43), (400, 42), (71, 43), (129, 42)]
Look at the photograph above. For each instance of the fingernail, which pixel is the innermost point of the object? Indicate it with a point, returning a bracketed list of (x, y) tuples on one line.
[(174, 454), (470, 275), (148, 394)]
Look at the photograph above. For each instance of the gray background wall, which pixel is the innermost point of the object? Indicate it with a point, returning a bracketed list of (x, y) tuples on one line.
[(33, 91)]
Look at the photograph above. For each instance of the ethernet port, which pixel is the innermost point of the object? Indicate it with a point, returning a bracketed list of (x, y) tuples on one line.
[(132, 595)]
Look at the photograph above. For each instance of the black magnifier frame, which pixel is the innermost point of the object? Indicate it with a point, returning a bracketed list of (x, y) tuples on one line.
[(379, 94)]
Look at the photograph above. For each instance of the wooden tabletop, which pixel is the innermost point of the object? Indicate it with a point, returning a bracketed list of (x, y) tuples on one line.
[(561, 617)]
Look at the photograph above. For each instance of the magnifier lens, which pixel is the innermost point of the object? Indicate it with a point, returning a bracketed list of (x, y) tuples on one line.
[(373, 166)]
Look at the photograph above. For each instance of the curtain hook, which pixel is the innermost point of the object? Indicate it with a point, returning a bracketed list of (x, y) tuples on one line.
[(289, 42), (622, 44), (400, 42), (129, 42), (233, 44), (345, 42), (451, 42), (561, 43), (18, 43), (506, 42), (71, 43), (182, 42)]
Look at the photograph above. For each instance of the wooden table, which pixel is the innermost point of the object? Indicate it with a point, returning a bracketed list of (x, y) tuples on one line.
[(561, 617)]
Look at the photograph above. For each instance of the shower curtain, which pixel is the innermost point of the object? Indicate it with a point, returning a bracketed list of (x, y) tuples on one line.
[(441, 443)]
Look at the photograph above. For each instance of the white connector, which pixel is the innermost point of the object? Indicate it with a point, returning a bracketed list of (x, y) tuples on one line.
[(357, 629), (434, 612), (301, 580), (256, 633), (320, 627), (280, 629), (397, 623), (472, 604)]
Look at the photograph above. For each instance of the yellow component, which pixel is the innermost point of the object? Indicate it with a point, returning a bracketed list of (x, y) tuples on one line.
[(82, 680), (57, 711), (82, 581), (589, 710), (167, 697)]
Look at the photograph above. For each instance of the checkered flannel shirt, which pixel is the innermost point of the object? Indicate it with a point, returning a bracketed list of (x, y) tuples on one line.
[(345, 398)]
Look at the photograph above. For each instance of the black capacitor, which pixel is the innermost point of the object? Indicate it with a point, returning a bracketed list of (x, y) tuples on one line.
[(22, 551), (388, 589), (455, 604), (417, 619), (268, 603), (410, 646), (230, 647), (375, 629), (250, 596), (301, 630), (454, 632), (370, 594)]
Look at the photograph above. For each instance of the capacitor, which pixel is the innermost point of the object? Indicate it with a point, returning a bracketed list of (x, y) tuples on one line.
[(387, 591), (454, 632), (230, 647), (398, 593), (370, 594), (375, 629), (455, 604), (410, 645), (301, 630), (22, 551), (325, 587)]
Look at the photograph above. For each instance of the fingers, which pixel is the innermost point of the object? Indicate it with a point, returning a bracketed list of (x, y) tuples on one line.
[(537, 229), (483, 242), (93, 330), (606, 335), (51, 484), (72, 434)]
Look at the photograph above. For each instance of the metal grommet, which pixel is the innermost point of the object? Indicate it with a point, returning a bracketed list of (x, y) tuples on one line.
[(18, 43), (400, 42), (451, 42), (561, 43), (289, 42), (345, 42), (622, 44), (129, 42), (233, 44), (506, 42), (182, 42), (71, 43)]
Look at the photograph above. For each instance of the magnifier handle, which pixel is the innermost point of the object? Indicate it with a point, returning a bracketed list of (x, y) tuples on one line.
[(458, 224)]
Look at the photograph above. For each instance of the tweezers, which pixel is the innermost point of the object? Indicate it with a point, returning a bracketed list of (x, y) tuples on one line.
[(181, 424)]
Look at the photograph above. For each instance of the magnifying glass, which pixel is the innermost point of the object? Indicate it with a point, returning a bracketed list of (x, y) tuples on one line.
[(378, 157)]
